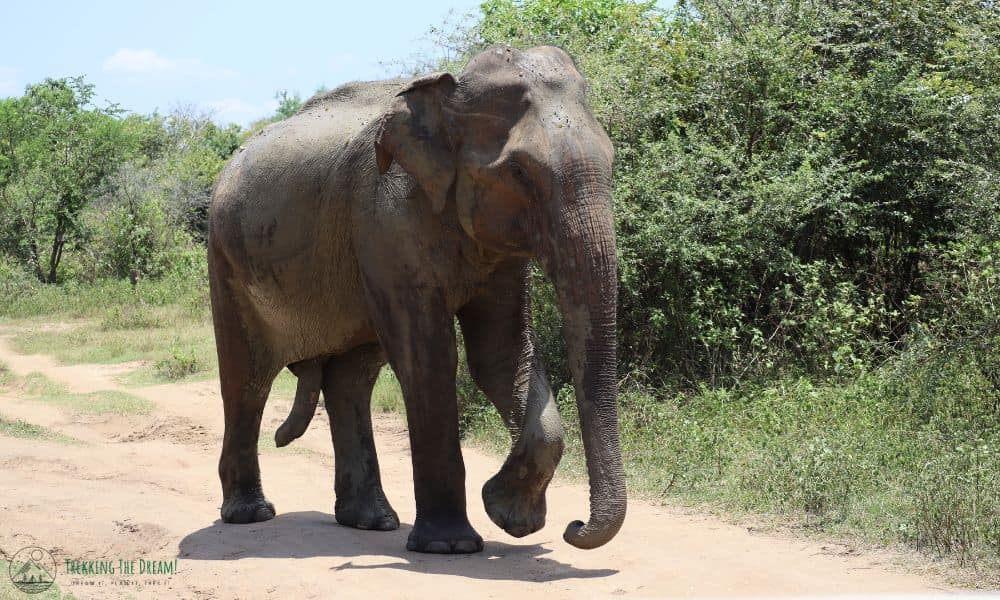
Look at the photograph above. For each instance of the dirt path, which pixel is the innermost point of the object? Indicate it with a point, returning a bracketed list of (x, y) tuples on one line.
[(145, 487)]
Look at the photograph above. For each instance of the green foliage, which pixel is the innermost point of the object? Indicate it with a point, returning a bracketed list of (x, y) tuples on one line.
[(136, 315), (547, 327), (783, 170), (387, 396), (164, 323), (17, 428), (6, 377), (288, 104), (184, 290), (185, 174), (181, 363), (39, 388), (88, 192), (473, 406), (57, 148)]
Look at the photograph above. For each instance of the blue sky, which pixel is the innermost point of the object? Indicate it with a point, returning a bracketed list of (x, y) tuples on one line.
[(227, 57)]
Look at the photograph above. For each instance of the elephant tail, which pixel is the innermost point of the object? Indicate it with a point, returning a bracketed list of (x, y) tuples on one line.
[(310, 374)]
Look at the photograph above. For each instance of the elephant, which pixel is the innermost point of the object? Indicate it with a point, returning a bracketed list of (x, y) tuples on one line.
[(354, 233)]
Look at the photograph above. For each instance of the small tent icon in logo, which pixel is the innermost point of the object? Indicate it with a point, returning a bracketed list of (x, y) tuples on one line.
[(32, 570)]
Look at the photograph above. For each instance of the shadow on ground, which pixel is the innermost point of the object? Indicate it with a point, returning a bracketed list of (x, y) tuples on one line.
[(312, 534)]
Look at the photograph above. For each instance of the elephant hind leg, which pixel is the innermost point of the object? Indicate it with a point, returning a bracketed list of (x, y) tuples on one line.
[(310, 375), (347, 388), (245, 374)]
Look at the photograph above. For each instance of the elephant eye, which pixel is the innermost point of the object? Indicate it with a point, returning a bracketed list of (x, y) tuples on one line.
[(521, 181), (518, 172)]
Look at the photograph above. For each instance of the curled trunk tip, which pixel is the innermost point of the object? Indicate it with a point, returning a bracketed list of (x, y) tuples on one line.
[(598, 531)]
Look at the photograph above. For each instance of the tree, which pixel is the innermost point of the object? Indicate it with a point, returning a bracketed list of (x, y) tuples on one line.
[(197, 150), (288, 104), (63, 148), (13, 131)]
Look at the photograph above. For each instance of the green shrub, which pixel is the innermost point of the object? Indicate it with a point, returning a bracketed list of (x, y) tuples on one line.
[(185, 285), (15, 281), (386, 395), (957, 497), (17, 428), (181, 363), (130, 316), (783, 177)]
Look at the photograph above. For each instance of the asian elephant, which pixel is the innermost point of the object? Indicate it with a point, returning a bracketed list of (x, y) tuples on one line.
[(354, 232)]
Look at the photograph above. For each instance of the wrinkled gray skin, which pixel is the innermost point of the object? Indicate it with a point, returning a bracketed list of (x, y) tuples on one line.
[(355, 231)]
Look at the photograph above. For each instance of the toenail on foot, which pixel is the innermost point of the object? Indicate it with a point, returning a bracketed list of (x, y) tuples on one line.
[(438, 547), (466, 546)]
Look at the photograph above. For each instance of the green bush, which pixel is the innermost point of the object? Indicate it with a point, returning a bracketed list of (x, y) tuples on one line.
[(906, 454), (783, 172), (114, 300), (130, 316), (15, 281), (181, 363)]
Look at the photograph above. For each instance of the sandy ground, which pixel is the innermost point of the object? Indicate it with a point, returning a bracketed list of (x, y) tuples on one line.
[(146, 488)]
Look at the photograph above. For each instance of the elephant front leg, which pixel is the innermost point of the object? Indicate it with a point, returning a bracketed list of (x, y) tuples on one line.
[(498, 344), (419, 337), (514, 498), (347, 388)]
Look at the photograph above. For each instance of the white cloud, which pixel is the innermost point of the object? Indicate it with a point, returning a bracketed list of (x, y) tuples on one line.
[(129, 61), (8, 82), (235, 110)]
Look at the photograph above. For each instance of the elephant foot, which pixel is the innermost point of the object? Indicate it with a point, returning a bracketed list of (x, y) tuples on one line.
[(247, 508), (375, 514), (444, 537), (515, 507)]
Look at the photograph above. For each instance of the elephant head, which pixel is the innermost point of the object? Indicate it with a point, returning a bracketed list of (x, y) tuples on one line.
[(512, 143)]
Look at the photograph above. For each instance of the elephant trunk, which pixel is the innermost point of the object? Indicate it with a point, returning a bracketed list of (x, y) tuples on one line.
[(583, 266)]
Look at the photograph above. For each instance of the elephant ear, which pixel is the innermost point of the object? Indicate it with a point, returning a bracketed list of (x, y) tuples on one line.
[(414, 134)]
